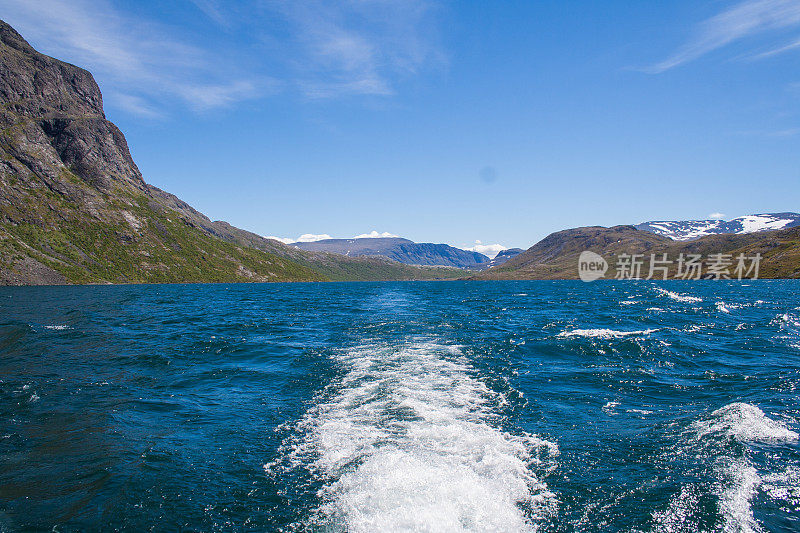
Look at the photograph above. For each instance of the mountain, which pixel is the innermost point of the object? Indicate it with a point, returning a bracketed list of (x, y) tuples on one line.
[(401, 250), (691, 229), (74, 207), (504, 256), (556, 256)]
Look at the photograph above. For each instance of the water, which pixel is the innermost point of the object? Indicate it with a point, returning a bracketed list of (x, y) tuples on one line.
[(451, 406)]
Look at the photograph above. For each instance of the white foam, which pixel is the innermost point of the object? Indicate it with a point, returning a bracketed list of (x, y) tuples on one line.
[(678, 297), (738, 486), (722, 308), (609, 407), (678, 515), (738, 481), (745, 423), (58, 327), (407, 440), (789, 324), (783, 486), (603, 333)]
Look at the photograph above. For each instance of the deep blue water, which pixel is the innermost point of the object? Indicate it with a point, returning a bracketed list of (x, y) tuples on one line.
[(477, 406)]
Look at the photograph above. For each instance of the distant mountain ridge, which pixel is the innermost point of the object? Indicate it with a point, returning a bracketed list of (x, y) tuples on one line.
[(556, 256), (400, 250), (683, 230)]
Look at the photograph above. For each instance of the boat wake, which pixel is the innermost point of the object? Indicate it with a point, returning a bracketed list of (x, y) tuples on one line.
[(738, 481), (409, 439)]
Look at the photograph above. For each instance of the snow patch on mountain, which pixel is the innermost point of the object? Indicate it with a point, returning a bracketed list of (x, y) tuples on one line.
[(684, 230)]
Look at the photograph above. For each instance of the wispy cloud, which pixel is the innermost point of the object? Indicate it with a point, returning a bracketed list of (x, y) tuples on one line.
[(716, 216), (746, 19), (214, 11), (780, 133), (352, 47), (318, 48), (794, 45), (138, 61)]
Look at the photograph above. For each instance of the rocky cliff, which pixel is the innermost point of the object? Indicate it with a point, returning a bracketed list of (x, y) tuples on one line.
[(74, 207)]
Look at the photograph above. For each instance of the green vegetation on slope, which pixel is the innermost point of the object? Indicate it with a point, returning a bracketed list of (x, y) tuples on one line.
[(151, 246)]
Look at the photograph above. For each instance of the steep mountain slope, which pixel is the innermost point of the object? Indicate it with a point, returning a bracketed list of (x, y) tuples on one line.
[(401, 250), (74, 207), (556, 256), (682, 230)]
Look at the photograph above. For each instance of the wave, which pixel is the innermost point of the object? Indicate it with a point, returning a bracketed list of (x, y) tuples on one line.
[(685, 298), (745, 423), (603, 333), (407, 440), (789, 325), (609, 407), (738, 480), (722, 308), (784, 486)]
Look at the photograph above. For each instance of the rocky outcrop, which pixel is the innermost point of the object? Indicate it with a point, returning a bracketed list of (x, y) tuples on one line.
[(52, 121)]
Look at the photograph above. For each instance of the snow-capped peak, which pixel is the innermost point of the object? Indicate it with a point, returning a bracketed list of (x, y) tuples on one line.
[(684, 230)]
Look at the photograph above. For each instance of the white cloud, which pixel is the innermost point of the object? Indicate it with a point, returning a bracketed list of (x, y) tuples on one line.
[(311, 237), (305, 237), (717, 216), (284, 240), (489, 250), (745, 19), (375, 235)]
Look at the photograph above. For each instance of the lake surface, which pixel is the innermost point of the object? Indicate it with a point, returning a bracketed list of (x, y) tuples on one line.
[(442, 406)]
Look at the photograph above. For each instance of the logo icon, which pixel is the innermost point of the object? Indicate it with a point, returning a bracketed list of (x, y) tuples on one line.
[(591, 266)]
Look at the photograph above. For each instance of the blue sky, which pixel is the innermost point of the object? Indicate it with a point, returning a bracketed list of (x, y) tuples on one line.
[(445, 121)]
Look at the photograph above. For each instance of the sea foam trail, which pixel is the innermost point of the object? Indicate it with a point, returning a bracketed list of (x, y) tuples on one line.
[(738, 480), (603, 333), (408, 440)]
